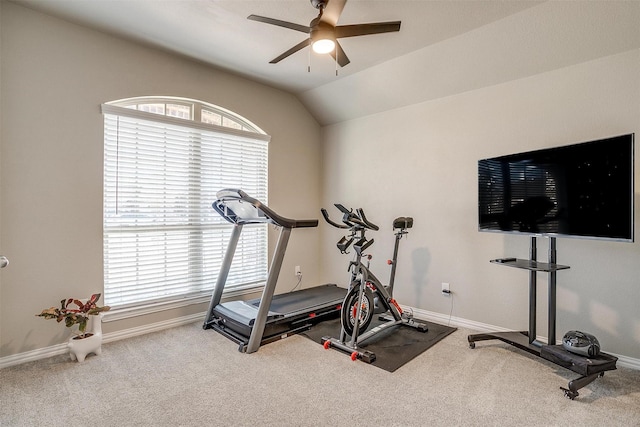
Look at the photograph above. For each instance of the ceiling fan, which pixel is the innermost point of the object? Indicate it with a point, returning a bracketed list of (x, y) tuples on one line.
[(324, 33)]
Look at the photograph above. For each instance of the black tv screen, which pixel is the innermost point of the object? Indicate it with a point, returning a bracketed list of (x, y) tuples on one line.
[(581, 190)]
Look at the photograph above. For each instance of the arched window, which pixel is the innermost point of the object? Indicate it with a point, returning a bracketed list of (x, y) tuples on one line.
[(164, 161)]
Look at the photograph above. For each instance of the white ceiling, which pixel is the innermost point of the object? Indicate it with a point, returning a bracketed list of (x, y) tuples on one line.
[(443, 47)]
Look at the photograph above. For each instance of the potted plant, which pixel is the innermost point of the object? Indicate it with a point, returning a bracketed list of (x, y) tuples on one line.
[(76, 312)]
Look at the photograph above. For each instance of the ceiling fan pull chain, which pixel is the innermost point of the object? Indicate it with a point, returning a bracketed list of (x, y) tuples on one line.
[(309, 61)]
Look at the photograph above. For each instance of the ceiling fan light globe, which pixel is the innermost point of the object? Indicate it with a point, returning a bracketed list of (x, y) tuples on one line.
[(323, 46)]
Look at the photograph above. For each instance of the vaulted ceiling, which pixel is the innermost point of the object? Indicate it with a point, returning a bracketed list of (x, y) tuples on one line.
[(444, 47)]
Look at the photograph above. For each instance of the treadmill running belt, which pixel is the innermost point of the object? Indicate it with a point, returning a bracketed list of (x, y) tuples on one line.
[(304, 299)]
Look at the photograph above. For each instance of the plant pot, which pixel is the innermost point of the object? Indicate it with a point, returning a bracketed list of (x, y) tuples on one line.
[(79, 347)]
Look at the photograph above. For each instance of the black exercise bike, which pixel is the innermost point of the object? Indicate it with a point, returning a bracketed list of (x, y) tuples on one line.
[(367, 296)]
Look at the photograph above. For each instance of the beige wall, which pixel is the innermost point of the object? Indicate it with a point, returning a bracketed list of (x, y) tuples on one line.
[(54, 77), (421, 161)]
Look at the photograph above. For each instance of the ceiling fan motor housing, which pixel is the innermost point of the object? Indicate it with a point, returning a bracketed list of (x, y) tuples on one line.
[(319, 4), (322, 30)]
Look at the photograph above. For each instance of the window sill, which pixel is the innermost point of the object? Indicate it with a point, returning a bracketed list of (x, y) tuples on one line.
[(155, 307)]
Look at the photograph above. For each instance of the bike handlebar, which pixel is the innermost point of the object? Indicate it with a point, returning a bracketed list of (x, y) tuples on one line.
[(350, 219), (366, 221), (326, 218)]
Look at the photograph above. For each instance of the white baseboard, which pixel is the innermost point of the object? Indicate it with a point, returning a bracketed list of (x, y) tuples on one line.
[(442, 319), (30, 356), (55, 350)]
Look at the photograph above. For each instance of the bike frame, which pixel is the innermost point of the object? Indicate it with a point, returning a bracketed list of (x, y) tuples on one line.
[(364, 279)]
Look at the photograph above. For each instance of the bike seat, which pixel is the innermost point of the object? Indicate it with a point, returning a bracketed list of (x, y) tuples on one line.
[(403, 222)]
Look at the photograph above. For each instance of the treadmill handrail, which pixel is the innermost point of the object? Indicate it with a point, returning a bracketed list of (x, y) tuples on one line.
[(264, 213)]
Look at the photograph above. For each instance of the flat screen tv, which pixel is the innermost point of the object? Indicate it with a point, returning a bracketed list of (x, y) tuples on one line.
[(582, 190)]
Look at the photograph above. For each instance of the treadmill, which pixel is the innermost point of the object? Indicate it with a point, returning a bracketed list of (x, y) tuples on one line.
[(270, 317)]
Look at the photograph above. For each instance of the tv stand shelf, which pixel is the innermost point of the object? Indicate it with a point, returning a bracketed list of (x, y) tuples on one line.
[(527, 264)]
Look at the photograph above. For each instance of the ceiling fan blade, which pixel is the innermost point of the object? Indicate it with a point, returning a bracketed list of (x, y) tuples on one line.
[(342, 57), (279, 23), (366, 29), (332, 11), (291, 51)]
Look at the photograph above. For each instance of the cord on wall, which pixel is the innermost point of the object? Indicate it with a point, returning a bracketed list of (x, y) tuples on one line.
[(299, 276), (450, 312)]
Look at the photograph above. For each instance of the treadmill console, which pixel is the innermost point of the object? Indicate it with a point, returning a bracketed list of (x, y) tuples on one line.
[(238, 207)]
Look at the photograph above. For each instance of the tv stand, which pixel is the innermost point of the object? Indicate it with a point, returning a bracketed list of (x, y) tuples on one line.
[(526, 340), (589, 368)]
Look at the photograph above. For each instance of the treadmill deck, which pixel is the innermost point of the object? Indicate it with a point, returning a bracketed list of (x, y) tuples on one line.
[(289, 313)]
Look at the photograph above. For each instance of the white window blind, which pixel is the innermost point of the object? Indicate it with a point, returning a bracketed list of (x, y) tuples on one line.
[(162, 239)]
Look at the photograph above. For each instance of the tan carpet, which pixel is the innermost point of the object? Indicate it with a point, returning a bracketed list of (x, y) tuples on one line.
[(187, 376)]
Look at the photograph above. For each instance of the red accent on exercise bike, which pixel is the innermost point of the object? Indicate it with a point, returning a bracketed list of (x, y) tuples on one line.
[(354, 356), (393, 301), (326, 345), (390, 262), (312, 315)]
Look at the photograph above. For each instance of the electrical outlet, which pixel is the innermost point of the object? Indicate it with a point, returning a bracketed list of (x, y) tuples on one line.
[(298, 271), (445, 288)]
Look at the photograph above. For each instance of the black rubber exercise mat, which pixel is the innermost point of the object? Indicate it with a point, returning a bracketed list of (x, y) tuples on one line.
[(394, 347)]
